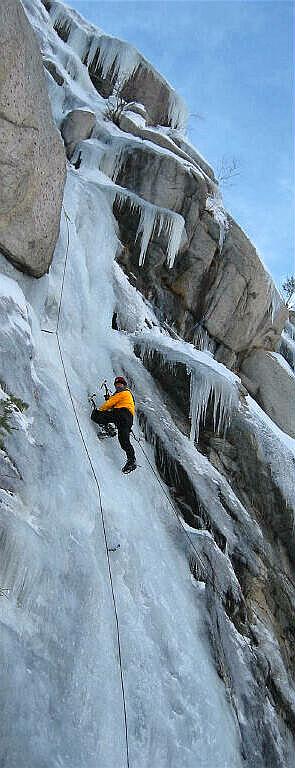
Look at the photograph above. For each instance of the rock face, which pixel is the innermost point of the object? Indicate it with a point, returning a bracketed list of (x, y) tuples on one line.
[(225, 289), (32, 157), (157, 97), (53, 69), (240, 305), (229, 292), (112, 63), (129, 122), (77, 125), (167, 184), (276, 387)]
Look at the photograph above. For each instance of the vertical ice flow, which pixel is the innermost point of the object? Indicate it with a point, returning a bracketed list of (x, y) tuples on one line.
[(153, 221), (215, 206), (208, 378), (202, 388)]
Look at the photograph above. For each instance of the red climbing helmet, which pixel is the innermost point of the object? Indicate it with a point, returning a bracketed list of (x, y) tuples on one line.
[(120, 380)]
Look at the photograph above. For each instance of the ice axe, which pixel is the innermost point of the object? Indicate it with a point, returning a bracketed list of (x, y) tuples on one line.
[(91, 399), (104, 386)]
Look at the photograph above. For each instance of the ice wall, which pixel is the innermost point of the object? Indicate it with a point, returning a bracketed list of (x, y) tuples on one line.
[(71, 662), (105, 620)]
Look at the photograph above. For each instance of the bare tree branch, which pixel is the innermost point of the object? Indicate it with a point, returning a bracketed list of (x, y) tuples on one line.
[(227, 170)]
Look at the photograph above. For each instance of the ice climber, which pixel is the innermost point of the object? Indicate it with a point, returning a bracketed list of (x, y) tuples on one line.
[(118, 409)]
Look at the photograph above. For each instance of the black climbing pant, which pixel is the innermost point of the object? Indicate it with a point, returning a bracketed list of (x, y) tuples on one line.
[(123, 420)]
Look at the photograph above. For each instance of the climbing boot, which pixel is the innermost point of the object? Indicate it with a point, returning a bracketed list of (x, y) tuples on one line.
[(129, 466), (108, 431)]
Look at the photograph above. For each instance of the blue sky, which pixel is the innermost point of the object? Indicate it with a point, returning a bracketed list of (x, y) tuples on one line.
[(232, 63)]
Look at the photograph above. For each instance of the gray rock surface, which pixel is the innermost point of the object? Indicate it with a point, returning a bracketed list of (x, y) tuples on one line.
[(276, 387), (230, 292), (239, 302), (193, 154), (53, 70), (77, 126), (162, 180), (32, 157), (128, 123), (147, 85)]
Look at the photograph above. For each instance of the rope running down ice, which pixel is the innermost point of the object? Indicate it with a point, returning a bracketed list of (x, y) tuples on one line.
[(55, 333)]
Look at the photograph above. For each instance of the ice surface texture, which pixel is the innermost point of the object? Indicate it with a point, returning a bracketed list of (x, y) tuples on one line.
[(59, 625)]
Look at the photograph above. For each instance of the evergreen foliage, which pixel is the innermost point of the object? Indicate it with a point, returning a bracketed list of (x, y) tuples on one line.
[(8, 405)]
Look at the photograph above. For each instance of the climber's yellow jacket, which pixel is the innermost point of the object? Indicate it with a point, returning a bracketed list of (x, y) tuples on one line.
[(121, 399)]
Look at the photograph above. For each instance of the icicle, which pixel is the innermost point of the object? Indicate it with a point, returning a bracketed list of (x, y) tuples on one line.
[(112, 55), (79, 41), (171, 224), (203, 385), (287, 348), (289, 330), (148, 354), (199, 398), (153, 220), (215, 206), (177, 112), (145, 228), (208, 378), (111, 162), (61, 22), (147, 216), (274, 300), (202, 339)]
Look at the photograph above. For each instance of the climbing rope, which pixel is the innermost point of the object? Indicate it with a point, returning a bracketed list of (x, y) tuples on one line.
[(106, 546), (55, 333), (67, 218)]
